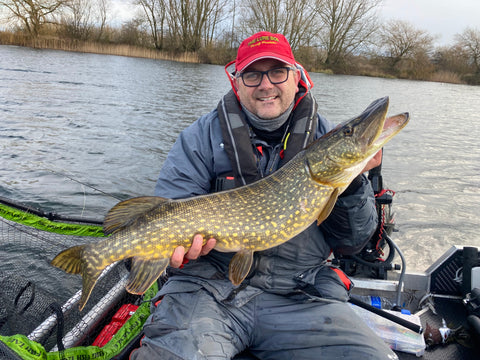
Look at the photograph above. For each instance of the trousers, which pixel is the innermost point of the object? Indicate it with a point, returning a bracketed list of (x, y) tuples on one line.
[(193, 325)]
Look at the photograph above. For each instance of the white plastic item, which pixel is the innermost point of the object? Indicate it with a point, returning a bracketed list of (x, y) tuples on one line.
[(396, 336), (476, 277)]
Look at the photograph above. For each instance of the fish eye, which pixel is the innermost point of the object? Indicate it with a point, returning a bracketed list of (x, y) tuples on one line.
[(348, 131)]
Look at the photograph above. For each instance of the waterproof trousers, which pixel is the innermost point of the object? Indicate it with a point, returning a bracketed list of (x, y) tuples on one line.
[(193, 325)]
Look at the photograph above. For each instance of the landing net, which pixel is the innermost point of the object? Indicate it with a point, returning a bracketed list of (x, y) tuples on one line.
[(38, 302)]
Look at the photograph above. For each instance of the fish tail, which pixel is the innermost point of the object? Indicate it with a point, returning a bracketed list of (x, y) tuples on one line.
[(70, 260), (76, 261)]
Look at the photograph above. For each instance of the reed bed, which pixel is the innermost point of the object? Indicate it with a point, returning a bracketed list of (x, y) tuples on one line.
[(95, 47), (446, 77)]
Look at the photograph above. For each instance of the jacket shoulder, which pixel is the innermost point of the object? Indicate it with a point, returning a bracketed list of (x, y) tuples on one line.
[(191, 163), (324, 126)]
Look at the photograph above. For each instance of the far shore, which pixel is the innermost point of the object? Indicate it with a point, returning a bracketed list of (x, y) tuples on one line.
[(103, 48), (53, 43)]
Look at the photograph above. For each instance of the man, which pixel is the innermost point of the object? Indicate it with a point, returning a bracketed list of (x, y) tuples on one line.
[(292, 305)]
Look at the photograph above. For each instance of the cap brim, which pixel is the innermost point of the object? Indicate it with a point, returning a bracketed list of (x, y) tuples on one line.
[(250, 60)]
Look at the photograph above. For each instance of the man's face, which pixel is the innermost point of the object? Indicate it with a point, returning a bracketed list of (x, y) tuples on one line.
[(267, 100)]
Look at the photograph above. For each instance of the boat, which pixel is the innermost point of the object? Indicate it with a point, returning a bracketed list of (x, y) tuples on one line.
[(434, 314)]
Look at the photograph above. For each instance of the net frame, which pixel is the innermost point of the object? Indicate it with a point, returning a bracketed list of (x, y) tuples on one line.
[(38, 301)]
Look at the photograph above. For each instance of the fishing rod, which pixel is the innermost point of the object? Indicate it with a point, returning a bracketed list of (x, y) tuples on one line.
[(84, 184), (52, 216)]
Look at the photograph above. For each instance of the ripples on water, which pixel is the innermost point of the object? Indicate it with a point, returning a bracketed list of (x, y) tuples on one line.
[(104, 120), (109, 122)]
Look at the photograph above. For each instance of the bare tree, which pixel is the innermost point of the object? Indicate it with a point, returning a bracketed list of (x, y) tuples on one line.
[(194, 22), (77, 19), (451, 59), (155, 16), (219, 12), (103, 8), (348, 25), (84, 19), (400, 41), (131, 33), (294, 19), (32, 14), (469, 41)]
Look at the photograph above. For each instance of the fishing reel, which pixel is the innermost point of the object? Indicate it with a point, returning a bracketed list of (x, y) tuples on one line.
[(376, 257)]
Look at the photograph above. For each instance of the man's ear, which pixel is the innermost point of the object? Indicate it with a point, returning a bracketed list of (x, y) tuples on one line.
[(297, 75), (235, 81)]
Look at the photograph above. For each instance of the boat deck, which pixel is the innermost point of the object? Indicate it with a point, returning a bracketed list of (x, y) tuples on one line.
[(454, 313)]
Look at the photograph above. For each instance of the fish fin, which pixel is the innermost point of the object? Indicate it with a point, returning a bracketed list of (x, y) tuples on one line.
[(74, 261), (89, 279), (328, 207), (239, 266), (144, 273), (70, 260), (125, 212)]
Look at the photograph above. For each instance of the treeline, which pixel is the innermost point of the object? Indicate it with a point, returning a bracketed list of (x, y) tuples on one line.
[(346, 37)]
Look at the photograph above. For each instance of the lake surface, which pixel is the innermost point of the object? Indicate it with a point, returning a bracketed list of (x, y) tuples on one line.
[(108, 122)]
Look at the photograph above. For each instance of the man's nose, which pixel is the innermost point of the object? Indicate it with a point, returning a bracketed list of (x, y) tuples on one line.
[(265, 82)]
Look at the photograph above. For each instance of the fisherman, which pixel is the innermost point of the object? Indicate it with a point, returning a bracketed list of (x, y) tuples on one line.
[(292, 305)]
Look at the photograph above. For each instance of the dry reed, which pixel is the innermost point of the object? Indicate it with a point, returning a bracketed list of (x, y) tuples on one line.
[(94, 47), (446, 77)]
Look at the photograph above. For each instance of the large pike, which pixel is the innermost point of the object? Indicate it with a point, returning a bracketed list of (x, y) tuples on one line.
[(251, 218)]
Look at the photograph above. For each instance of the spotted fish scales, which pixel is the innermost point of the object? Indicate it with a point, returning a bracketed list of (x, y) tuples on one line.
[(251, 218)]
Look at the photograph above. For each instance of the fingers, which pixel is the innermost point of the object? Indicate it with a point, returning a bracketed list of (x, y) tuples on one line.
[(377, 158), (197, 249), (208, 246), (374, 161), (177, 257)]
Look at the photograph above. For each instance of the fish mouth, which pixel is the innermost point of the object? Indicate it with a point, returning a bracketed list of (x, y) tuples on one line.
[(371, 122), (391, 126), (352, 144), (378, 129)]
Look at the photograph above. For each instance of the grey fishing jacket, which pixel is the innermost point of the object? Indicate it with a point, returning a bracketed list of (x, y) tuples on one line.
[(196, 159)]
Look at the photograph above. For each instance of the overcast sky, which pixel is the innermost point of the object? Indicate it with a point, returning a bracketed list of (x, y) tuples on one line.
[(443, 18)]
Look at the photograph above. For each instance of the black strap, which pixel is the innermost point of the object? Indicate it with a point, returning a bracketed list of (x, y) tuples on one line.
[(304, 127), (235, 131), (21, 292), (57, 309)]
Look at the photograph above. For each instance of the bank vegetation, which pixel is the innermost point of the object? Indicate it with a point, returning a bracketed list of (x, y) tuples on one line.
[(341, 37)]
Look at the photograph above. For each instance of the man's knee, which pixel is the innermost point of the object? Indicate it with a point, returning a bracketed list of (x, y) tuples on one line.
[(191, 326)]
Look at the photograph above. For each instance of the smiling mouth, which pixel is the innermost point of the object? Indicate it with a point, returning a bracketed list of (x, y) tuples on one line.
[(267, 98)]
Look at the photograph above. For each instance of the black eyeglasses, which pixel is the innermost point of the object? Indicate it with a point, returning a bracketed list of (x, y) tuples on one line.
[(276, 76)]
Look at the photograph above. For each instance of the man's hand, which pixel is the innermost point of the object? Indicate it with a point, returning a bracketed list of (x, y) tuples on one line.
[(374, 161), (197, 249)]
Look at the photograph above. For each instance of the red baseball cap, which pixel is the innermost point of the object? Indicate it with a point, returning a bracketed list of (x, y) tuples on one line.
[(263, 45)]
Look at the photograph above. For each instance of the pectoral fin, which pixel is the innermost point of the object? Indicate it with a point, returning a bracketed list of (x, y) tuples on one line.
[(328, 207), (144, 273), (240, 266)]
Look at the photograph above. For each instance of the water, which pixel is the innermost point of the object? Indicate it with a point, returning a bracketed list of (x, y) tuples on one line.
[(109, 122)]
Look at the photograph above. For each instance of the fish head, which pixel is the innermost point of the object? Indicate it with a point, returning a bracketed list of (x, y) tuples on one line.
[(339, 156)]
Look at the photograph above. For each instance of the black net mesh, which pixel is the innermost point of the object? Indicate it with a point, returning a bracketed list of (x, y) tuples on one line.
[(39, 300), (6, 353)]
